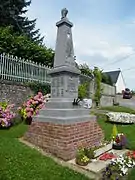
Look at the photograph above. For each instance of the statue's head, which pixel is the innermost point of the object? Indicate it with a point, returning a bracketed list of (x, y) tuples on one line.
[(64, 13)]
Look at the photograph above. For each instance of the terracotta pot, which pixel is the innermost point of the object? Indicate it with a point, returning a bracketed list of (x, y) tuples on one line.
[(80, 163)]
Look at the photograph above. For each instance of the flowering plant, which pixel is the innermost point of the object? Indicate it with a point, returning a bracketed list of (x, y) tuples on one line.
[(118, 167), (32, 106), (84, 155), (121, 117), (81, 157), (123, 162), (6, 114), (131, 154), (120, 140)]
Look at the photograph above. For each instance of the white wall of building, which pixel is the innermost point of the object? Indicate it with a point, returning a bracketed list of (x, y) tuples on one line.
[(120, 85)]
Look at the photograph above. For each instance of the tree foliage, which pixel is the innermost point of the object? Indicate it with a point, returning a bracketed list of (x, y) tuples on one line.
[(22, 46), (84, 68), (83, 91), (106, 79), (12, 13), (98, 89)]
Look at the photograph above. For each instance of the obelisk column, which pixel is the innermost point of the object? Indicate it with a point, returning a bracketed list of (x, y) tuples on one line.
[(65, 75)]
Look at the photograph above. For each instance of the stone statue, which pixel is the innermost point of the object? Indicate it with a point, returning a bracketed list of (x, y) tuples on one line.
[(64, 13)]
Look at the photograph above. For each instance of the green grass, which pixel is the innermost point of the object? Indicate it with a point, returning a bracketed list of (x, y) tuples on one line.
[(128, 130), (19, 162), (118, 109)]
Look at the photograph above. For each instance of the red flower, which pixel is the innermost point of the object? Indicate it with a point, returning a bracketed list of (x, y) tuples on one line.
[(131, 154), (107, 156)]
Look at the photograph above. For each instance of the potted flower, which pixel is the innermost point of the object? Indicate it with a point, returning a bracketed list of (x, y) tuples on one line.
[(31, 107), (89, 152), (6, 115), (81, 158), (119, 141)]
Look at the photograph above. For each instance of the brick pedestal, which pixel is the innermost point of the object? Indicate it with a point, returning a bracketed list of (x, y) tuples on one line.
[(62, 140)]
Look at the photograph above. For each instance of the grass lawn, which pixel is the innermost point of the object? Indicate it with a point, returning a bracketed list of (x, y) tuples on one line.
[(128, 130), (118, 109), (19, 162)]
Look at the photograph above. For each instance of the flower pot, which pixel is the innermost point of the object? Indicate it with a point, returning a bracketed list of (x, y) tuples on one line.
[(28, 120), (4, 127), (117, 146), (80, 163)]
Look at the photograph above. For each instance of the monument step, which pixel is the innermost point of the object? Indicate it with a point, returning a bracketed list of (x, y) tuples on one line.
[(64, 112), (61, 105), (64, 120)]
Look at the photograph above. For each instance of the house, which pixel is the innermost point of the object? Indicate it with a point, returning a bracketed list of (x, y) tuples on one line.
[(117, 80)]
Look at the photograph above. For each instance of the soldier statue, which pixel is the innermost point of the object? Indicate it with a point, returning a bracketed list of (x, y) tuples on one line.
[(64, 13)]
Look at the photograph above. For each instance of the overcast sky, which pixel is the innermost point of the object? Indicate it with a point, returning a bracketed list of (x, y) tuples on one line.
[(103, 31)]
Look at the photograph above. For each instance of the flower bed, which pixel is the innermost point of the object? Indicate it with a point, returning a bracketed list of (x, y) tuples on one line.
[(106, 156), (121, 117), (119, 166)]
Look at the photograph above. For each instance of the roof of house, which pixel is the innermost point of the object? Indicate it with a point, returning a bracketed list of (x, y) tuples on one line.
[(113, 75)]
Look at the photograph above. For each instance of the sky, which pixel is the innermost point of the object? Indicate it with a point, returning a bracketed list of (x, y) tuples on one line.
[(103, 31)]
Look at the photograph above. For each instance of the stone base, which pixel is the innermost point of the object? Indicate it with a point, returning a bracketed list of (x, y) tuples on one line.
[(62, 140)]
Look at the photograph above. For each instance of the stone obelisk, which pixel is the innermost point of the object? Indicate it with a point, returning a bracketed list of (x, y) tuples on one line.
[(64, 80), (60, 126)]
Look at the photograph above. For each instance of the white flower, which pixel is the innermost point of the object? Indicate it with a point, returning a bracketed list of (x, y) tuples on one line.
[(121, 117)]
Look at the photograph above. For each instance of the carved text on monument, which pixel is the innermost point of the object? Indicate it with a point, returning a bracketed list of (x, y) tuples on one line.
[(57, 86), (72, 85)]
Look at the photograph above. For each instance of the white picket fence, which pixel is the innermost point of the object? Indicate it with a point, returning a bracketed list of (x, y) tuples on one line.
[(17, 69)]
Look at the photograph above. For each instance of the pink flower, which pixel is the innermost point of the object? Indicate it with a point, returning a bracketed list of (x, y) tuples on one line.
[(40, 100), (36, 97), (28, 109), (40, 106), (30, 100), (29, 114), (7, 110), (28, 103), (31, 109), (40, 94), (33, 102), (19, 108)]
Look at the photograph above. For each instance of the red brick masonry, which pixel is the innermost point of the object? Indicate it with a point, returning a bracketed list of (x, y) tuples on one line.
[(63, 140)]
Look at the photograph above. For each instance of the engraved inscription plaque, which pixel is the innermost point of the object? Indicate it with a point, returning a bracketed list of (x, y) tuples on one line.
[(57, 86), (71, 85)]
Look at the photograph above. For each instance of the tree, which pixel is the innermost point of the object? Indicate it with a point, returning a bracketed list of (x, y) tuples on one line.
[(22, 46), (84, 68), (106, 79), (98, 90), (83, 91), (12, 13)]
